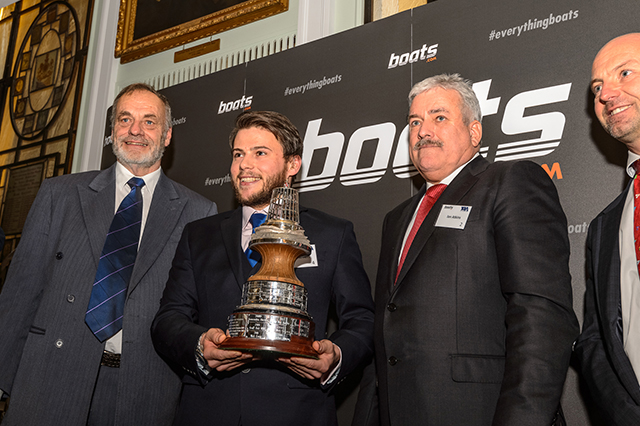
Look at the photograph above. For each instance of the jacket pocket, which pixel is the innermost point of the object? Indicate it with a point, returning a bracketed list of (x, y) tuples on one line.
[(467, 368), (36, 330)]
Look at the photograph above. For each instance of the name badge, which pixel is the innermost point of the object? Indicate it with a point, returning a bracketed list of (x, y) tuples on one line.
[(310, 261), (454, 217)]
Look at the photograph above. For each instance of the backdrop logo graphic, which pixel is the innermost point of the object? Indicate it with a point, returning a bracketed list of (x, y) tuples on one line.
[(313, 84), (242, 103), (322, 151), (425, 53), (326, 149), (533, 25), (219, 181), (515, 120), (178, 121)]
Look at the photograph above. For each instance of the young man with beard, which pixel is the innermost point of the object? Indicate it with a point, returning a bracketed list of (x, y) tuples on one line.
[(205, 285), (75, 347)]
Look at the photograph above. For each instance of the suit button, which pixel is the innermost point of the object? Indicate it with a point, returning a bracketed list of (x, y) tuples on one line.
[(59, 343), (59, 255), (392, 307), (71, 298), (246, 370), (393, 360)]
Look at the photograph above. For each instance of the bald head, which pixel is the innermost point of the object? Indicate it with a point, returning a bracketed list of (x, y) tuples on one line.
[(615, 82)]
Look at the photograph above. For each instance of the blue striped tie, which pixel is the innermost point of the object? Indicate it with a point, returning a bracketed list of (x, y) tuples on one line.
[(106, 306), (256, 220)]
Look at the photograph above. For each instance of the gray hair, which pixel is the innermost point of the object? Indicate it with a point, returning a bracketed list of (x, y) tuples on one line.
[(470, 106)]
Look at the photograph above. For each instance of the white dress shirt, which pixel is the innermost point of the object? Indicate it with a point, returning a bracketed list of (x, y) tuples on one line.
[(629, 278)]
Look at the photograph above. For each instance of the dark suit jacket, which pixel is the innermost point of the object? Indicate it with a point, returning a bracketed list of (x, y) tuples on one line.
[(49, 359), (204, 288), (599, 349), (479, 326)]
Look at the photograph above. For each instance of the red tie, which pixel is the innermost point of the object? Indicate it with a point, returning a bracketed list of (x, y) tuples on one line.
[(427, 202), (636, 212)]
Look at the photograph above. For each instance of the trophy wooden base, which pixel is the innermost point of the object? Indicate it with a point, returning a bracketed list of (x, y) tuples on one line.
[(297, 346)]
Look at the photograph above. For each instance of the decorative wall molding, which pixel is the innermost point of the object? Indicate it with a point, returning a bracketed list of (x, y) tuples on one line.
[(209, 64)]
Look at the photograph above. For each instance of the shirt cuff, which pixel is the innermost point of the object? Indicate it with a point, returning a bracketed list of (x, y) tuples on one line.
[(203, 367), (331, 377)]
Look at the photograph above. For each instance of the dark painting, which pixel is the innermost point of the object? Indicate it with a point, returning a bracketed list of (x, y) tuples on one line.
[(153, 16)]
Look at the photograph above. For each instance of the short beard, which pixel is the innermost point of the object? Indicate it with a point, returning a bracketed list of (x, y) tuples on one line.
[(145, 161), (620, 132), (263, 197), (427, 141)]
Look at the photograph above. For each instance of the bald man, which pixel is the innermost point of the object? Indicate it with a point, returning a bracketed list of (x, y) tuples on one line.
[(609, 347)]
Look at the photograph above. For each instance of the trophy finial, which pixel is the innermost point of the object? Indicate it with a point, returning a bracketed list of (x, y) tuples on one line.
[(284, 205)]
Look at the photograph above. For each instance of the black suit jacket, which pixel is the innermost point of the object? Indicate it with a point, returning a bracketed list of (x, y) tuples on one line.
[(205, 286), (478, 328), (599, 349)]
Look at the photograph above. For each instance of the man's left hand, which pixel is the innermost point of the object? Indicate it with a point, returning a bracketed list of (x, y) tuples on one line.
[(328, 358)]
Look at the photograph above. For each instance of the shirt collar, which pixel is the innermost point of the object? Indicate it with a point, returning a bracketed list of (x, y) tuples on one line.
[(247, 212), (630, 160), (123, 175), (455, 173)]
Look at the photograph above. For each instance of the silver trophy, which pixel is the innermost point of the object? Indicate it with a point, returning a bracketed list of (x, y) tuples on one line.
[(273, 316)]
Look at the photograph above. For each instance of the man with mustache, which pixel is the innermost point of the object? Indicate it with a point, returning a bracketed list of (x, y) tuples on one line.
[(474, 319), (205, 286), (609, 347), (87, 278)]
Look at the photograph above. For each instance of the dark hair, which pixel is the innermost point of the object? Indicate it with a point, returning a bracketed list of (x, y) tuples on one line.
[(279, 125), (135, 87)]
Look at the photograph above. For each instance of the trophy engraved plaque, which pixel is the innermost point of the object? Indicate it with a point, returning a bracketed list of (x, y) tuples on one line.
[(273, 314)]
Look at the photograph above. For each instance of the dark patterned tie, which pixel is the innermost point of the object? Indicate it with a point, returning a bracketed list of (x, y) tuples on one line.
[(106, 306), (256, 220)]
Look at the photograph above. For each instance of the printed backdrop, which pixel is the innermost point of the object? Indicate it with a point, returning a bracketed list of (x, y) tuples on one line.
[(530, 62)]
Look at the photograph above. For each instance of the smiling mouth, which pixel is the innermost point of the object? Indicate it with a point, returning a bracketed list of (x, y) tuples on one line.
[(135, 143), (249, 179), (619, 110)]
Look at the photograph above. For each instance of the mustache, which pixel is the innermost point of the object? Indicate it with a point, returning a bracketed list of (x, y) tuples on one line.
[(427, 141)]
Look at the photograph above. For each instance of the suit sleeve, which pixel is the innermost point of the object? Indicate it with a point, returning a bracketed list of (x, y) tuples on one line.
[(174, 330), (532, 250), (595, 365), (354, 305), (24, 285)]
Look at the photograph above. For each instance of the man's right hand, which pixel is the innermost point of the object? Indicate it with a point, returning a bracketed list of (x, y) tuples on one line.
[(219, 359)]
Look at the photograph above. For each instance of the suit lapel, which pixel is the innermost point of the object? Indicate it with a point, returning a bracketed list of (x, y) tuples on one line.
[(164, 213), (608, 292), (608, 254), (97, 203), (231, 230), (462, 183), (397, 228)]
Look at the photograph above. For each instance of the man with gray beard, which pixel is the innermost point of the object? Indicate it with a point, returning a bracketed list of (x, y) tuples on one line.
[(474, 319), (87, 278)]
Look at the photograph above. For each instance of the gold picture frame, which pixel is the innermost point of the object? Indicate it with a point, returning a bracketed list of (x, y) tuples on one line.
[(132, 43)]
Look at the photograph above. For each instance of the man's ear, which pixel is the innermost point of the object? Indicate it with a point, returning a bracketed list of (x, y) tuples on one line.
[(475, 130), (167, 140), (293, 165)]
